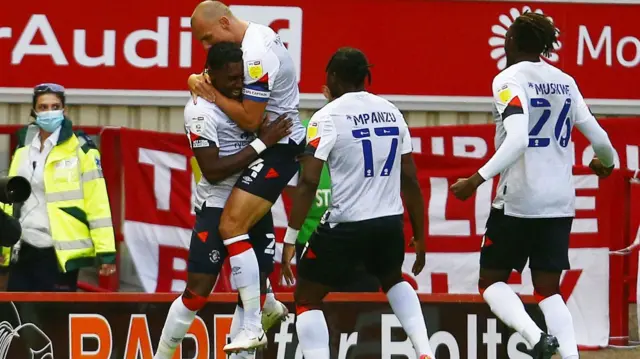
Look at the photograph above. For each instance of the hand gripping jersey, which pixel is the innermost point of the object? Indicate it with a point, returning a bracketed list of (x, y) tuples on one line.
[(361, 137), (270, 76), (206, 126), (540, 182)]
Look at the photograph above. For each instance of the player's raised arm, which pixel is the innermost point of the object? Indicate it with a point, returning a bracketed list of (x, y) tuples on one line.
[(591, 129), (204, 143), (510, 101)]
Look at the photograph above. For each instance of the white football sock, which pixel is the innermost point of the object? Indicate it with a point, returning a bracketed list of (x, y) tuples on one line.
[(175, 328), (406, 306), (237, 321), (270, 302), (508, 307), (246, 275), (313, 334), (236, 326), (560, 325)]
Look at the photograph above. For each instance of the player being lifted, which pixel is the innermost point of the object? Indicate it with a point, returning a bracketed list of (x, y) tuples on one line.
[(366, 143), (222, 150), (270, 84), (537, 106)]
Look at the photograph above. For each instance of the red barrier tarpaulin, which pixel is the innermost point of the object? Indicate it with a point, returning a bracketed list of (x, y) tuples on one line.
[(158, 218)]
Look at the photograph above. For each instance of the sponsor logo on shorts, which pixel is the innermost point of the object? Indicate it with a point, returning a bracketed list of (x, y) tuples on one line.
[(236, 270), (214, 256), (247, 179)]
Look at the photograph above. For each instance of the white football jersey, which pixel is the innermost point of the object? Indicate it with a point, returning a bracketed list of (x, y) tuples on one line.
[(207, 126), (540, 183), (270, 76), (361, 136)]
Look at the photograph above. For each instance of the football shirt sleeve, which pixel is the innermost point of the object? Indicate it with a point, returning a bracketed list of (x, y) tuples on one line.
[(509, 98), (587, 124), (321, 137), (510, 101), (407, 145), (260, 70), (201, 127)]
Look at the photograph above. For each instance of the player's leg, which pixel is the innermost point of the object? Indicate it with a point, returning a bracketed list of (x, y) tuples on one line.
[(325, 262), (257, 189), (263, 241), (206, 256), (311, 325), (384, 255), (506, 246), (548, 260)]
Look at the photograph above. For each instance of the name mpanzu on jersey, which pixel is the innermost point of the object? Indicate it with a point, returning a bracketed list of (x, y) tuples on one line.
[(374, 117), (550, 89)]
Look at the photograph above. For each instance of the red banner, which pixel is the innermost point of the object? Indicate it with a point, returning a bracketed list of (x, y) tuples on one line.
[(158, 215), (447, 48)]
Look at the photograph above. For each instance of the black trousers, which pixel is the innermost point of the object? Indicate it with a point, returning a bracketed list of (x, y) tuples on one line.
[(37, 270)]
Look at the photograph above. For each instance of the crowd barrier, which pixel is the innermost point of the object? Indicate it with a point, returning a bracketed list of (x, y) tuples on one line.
[(128, 326), (622, 276)]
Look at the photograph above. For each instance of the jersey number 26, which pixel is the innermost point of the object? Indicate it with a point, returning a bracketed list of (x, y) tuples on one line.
[(562, 122), (367, 148)]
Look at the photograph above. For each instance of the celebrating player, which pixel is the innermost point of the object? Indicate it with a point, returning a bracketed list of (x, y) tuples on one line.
[(361, 281), (537, 105), (269, 84), (359, 135), (222, 151)]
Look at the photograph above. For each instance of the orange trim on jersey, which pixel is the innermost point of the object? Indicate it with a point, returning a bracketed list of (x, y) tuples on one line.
[(264, 79), (314, 143), (515, 101)]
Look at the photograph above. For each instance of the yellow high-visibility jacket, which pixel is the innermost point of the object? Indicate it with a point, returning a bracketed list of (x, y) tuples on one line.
[(76, 199)]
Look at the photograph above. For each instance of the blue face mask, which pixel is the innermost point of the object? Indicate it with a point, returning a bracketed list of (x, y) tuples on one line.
[(49, 120)]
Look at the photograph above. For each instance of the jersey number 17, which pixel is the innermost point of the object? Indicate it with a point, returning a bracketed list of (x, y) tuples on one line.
[(367, 148)]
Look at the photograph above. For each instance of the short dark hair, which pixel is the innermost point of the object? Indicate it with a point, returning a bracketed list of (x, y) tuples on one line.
[(223, 53), (350, 66), (534, 33)]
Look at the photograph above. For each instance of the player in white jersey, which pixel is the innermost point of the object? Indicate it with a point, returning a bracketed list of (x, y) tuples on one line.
[(222, 151), (367, 146), (270, 84), (537, 106)]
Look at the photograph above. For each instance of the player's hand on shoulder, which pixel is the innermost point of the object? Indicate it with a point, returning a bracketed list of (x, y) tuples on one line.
[(599, 169), (418, 245), (274, 131), (200, 85), (466, 187)]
